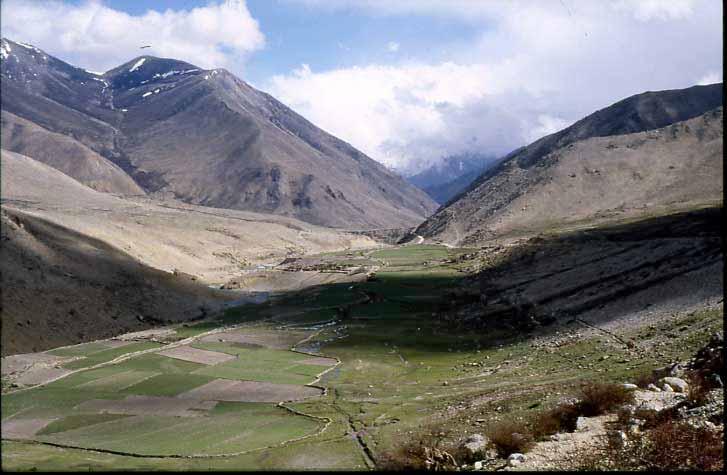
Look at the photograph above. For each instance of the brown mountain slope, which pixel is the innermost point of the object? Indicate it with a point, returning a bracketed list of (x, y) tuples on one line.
[(61, 287), (66, 155), (213, 244), (206, 137), (595, 179)]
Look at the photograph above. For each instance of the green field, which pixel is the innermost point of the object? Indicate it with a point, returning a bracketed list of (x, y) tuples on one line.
[(106, 355), (400, 372)]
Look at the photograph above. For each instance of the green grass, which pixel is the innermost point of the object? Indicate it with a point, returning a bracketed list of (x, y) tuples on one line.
[(245, 370), (110, 354), (160, 435), (167, 384), (49, 401), (84, 349), (161, 364), (411, 255), (186, 331), (395, 360), (78, 421)]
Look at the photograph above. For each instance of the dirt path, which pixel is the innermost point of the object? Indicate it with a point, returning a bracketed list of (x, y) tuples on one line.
[(567, 448)]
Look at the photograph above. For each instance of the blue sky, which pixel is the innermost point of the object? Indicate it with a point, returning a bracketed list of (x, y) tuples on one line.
[(298, 33), (408, 82)]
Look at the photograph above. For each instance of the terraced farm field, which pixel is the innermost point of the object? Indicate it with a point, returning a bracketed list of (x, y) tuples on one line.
[(331, 377)]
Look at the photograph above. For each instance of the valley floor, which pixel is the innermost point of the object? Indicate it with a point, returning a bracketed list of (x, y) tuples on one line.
[(336, 375)]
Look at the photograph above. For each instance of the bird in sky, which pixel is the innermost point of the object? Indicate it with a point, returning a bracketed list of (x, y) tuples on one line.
[(145, 46)]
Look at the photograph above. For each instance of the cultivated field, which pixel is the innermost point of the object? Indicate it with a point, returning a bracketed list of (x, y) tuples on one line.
[(213, 389)]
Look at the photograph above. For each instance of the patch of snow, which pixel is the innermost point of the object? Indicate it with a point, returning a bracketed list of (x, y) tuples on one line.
[(156, 91), (146, 94), (95, 73), (206, 77), (124, 110), (137, 65), (31, 47), (4, 49), (173, 73), (101, 80)]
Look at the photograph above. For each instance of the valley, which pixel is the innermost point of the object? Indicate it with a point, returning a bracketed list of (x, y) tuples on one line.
[(334, 376), (196, 277)]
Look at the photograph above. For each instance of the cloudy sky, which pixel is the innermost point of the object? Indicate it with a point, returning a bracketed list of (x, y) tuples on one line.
[(405, 81)]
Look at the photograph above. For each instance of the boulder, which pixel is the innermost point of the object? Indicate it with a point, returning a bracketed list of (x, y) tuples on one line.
[(653, 387), (666, 388), (515, 459), (630, 386), (677, 384), (476, 445), (581, 424)]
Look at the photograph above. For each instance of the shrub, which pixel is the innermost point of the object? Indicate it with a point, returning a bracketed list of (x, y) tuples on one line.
[(670, 445), (678, 445), (423, 452), (510, 437), (644, 379), (559, 419), (598, 398), (699, 387)]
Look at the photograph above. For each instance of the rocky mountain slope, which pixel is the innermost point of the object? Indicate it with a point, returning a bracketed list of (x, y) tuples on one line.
[(654, 150), (205, 137)]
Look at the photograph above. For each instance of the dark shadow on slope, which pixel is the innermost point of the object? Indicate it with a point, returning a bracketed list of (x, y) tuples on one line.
[(601, 274), (595, 275), (61, 287)]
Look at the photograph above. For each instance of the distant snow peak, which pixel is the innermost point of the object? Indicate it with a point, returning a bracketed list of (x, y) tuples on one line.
[(137, 65)]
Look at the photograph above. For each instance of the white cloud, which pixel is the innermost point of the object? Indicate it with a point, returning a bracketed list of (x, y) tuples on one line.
[(711, 77), (646, 10), (535, 67), (547, 125), (392, 47), (92, 35)]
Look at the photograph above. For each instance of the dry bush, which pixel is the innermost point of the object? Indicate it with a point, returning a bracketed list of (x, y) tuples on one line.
[(559, 419), (510, 437), (682, 446), (671, 445), (644, 379), (699, 387), (423, 452), (598, 398)]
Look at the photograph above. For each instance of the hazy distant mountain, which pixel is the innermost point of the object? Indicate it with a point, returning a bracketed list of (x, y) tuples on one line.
[(206, 137), (447, 178), (656, 149)]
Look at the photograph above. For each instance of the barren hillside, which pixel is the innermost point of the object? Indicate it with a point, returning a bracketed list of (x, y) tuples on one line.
[(213, 244), (592, 179)]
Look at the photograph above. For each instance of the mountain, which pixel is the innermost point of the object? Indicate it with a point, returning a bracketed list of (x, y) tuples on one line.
[(444, 179), (211, 244), (206, 137), (61, 286), (445, 192), (65, 154), (657, 149)]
